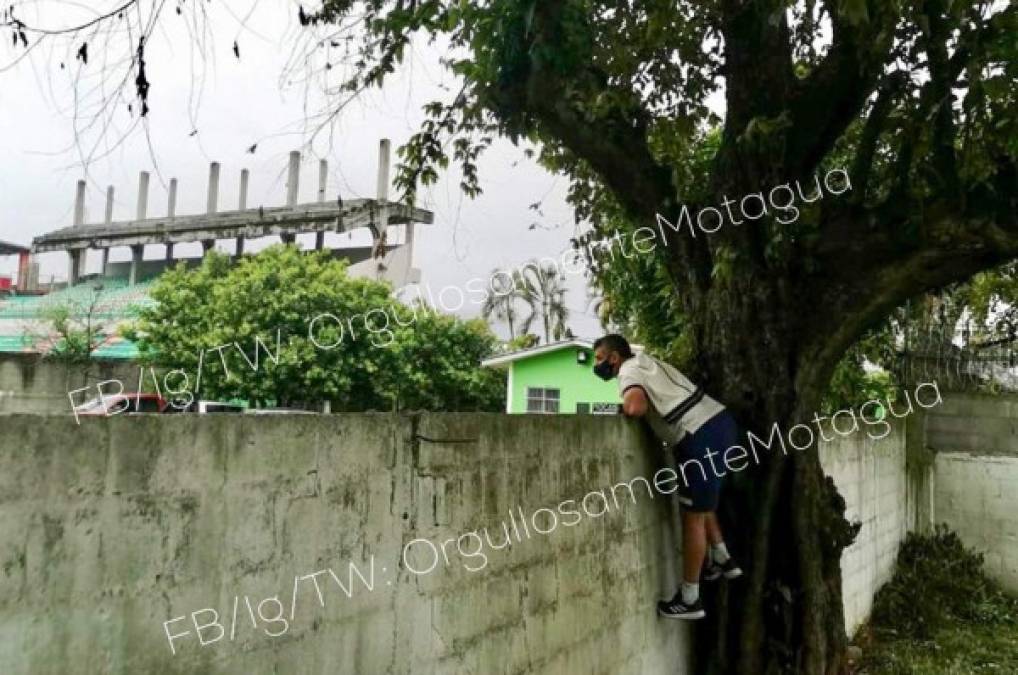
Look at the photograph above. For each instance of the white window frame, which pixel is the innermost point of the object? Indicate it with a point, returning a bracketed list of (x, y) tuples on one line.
[(543, 400)]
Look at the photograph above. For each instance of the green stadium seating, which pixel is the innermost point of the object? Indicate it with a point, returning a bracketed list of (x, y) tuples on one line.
[(116, 302)]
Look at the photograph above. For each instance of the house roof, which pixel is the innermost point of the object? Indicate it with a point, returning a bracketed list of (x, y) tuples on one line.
[(506, 359)]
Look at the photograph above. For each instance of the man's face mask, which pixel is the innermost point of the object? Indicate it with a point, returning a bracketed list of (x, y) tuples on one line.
[(604, 370)]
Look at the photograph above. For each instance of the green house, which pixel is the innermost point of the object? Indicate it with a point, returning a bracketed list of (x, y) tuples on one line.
[(556, 378)]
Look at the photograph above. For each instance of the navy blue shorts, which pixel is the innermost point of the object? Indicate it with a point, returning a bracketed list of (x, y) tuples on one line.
[(699, 482)]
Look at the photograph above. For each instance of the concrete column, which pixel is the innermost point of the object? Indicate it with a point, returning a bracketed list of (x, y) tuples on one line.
[(213, 199), (138, 250), (171, 213), (382, 190), (292, 190), (108, 221), (23, 261), (142, 195), (213, 203), (244, 177), (383, 170), (920, 475), (74, 265), (323, 174), (137, 255), (79, 204), (293, 179), (171, 206), (76, 258), (109, 205)]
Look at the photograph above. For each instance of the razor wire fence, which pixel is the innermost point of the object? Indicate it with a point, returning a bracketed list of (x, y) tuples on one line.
[(981, 359)]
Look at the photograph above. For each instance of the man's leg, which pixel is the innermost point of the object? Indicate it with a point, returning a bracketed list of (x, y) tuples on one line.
[(686, 603), (694, 545), (719, 562), (714, 536), (694, 551), (705, 488)]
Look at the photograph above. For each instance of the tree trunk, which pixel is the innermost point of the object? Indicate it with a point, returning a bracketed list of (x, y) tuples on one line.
[(783, 517)]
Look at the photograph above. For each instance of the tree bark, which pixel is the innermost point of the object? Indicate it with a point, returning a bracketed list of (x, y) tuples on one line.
[(783, 517)]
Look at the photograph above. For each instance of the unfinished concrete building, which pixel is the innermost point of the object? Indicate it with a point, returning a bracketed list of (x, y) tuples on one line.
[(381, 260)]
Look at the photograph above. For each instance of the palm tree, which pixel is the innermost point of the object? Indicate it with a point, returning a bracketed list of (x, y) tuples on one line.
[(601, 307), (543, 291), (502, 304)]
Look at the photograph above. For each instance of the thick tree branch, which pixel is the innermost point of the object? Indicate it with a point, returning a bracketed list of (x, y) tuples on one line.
[(827, 101), (942, 77), (862, 164), (758, 62), (614, 143), (870, 272), (935, 94)]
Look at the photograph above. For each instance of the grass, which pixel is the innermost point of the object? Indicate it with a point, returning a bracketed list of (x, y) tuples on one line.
[(960, 649), (940, 615)]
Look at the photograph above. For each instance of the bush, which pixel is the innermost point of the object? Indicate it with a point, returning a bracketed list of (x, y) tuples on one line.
[(937, 580)]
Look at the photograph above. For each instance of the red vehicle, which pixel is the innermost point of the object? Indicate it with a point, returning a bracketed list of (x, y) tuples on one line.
[(117, 404)]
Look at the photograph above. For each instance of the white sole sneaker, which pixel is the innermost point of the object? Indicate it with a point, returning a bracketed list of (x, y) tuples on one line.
[(716, 573), (692, 616)]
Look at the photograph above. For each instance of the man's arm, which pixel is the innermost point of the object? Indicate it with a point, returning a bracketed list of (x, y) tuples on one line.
[(634, 401)]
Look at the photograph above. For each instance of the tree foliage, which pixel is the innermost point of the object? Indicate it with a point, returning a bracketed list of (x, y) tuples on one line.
[(541, 288), (500, 299), (74, 331), (253, 329), (916, 99)]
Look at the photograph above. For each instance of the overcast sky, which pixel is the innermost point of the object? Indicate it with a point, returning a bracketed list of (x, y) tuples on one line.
[(246, 101)]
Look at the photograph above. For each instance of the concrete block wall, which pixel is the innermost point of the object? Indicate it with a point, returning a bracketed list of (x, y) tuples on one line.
[(30, 384), (871, 476), (975, 438), (111, 528)]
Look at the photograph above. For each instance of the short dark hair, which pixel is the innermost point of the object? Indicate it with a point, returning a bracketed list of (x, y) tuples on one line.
[(616, 343)]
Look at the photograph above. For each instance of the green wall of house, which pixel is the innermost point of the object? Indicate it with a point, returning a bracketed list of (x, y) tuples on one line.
[(559, 369)]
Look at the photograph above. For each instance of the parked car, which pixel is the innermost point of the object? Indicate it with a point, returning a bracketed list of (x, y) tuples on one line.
[(208, 407), (125, 403), (279, 411)]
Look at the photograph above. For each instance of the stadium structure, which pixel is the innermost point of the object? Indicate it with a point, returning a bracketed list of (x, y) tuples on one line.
[(119, 290)]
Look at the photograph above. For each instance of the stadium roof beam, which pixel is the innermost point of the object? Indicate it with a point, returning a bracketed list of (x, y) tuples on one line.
[(7, 248), (249, 223), (244, 223)]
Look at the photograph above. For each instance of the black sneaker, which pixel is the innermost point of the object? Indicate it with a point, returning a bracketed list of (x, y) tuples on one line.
[(715, 570), (676, 609)]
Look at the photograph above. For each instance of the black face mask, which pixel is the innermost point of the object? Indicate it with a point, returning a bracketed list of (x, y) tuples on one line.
[(604, 370)]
